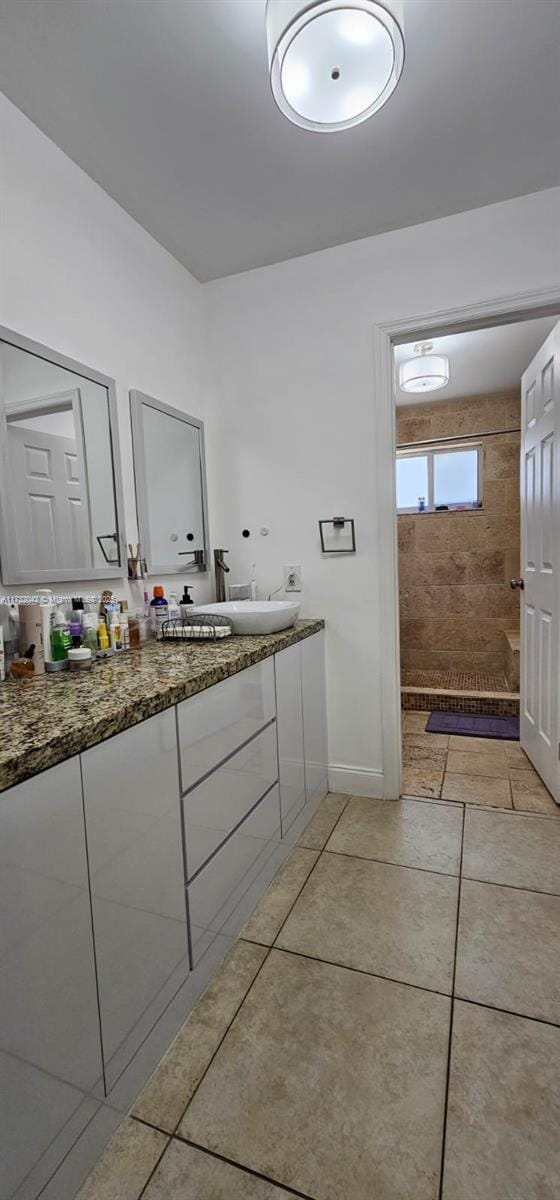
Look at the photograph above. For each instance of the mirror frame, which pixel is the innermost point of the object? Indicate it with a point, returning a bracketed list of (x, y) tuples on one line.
[(10, 574), (139, 400)]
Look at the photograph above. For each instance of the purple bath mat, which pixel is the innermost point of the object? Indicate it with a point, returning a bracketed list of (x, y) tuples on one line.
[(471, 725)]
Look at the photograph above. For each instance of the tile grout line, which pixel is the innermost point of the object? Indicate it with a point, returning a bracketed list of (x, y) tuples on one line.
[(156, 1165), (222, 1039), (385, 862), (514, 887), (282, 1187), (451, 1016), (308, 877), (508, 1012), (251, 985), (478, 805), (329, 962)]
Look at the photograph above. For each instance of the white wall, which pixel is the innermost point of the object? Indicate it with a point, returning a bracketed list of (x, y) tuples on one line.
[(78, 274), (292, 430)]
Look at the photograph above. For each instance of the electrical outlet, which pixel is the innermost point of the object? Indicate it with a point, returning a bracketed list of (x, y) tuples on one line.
[(292, 578)]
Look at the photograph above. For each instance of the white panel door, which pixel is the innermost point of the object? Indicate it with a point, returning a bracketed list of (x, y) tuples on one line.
[(49, 500), (540, 557)]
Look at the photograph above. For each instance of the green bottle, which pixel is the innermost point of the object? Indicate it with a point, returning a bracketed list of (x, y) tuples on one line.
[(60, 638)]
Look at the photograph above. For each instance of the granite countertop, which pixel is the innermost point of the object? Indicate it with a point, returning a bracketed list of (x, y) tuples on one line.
[(49, 719)]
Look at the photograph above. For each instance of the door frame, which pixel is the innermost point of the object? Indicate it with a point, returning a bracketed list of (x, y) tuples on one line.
[(502, 310)]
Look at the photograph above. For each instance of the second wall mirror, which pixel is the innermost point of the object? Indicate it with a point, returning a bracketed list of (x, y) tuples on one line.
[(170, 480)]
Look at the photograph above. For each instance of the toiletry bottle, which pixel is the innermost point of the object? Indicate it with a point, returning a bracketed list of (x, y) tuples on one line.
[(125, 624), (60, 641), (103, 636), (47, 613), (89, 629), (31, 635), (133, 629), (159, 610), (10, 632), (174, 612), (77, 616), (187, 602), (115, 631)]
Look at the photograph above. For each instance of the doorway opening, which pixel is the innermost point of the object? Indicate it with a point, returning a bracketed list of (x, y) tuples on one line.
[(457, 467), (455, 473)]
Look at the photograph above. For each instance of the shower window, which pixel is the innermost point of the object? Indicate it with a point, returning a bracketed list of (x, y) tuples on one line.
[(434, 478)]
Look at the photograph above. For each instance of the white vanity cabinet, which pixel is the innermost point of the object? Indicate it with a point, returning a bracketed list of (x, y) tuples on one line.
[(291, 755), (125, 874), (314, 716), (135, 847), (50, 1051)]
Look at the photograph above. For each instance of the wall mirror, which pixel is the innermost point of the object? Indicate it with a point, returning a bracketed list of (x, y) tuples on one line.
[(60, 482), (170, 479)]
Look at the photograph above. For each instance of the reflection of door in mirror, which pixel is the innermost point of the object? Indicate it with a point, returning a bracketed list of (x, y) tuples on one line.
[(58, 481), (48, 484)]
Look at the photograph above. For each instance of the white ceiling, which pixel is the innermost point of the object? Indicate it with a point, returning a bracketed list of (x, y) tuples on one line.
[(482, 361), (166, 103)]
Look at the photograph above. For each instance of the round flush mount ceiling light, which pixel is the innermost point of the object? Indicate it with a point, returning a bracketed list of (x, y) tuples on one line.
[(333, 63), (426, 372)]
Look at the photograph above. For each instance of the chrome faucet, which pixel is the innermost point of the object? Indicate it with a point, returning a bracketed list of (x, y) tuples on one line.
[(220, 572)]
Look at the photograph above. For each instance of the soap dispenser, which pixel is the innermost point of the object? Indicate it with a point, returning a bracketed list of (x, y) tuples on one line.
[(187, 602)]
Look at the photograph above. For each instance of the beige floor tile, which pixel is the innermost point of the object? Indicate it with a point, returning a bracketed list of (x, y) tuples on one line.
[(414, 722), (492, 765), (438, 741), (275, 905), (167, 1093), (126, 1164), (323, 822), (347, 1077), (185, 1173), (422, 781), (518, 850), (425, 754), (476, 745), (508, 950), (529, 793), (504, 1098), (402, 832), (477, 789), (516, 757), (391, 921)]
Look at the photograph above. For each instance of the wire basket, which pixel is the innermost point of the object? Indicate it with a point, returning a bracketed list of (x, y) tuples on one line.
[(200, 627)]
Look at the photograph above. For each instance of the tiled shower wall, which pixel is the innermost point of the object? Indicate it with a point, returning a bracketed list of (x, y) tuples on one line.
[(455, 567)]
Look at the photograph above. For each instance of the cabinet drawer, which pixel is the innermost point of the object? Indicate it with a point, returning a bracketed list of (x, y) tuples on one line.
[(218, 721), (218, 889), (214, 808)]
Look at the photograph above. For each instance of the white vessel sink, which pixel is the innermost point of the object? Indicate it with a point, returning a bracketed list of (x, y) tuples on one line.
[(255, 616)]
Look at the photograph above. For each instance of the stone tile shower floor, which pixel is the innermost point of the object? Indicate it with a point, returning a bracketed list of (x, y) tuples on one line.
[(470, 770), (471, 681), (387, 1025)]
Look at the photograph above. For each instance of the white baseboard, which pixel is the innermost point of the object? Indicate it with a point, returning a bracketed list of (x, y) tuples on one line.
[(354, 781)]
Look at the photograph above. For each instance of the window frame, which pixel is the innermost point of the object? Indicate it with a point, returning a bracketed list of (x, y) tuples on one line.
[(429, 450)]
